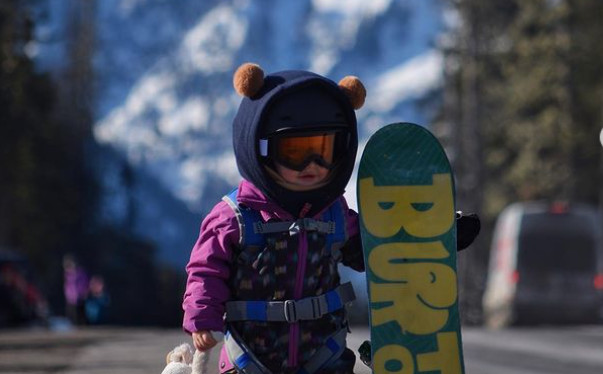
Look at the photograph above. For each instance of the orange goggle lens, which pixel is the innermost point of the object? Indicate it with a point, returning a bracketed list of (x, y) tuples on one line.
[(298, 151)]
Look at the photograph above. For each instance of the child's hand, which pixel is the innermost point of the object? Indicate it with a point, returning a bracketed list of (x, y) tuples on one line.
[(203, 340)]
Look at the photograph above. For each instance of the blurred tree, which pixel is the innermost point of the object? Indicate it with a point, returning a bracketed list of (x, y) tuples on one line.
[(587, 98), (470, 64), (49, 191), (44, 186), (532, 137), (522, 111)]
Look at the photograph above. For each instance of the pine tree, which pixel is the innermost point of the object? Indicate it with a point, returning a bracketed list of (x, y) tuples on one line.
[(522, 101), (45, 187)]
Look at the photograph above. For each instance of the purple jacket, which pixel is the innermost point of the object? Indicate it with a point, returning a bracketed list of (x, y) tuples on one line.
[(75, 285), (208, 270)]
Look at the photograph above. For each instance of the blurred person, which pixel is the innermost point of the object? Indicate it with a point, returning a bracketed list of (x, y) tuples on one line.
[(22, 302), (16, 308), (75, 287), (267, 256), (97, 301)]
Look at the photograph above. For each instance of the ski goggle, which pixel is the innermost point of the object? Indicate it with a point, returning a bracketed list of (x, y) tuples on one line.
[(297, 152)]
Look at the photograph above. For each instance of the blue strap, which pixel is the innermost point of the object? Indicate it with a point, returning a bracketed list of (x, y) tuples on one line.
[(333, 345), (256, 310), (335, 213), (291, 311), (242, 361), (333, 301), (240, 356), (247, 363), (327, 354), (249, 217), (232, 195)]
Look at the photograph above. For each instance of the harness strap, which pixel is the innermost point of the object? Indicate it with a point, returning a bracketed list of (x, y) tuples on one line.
[(291, 311), (246, 219), (240, 356), (336, 214), (329, 352), (247, 363), (252, 228), (294, 227)]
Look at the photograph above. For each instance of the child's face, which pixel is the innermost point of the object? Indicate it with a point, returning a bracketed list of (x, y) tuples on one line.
[(312, 176)]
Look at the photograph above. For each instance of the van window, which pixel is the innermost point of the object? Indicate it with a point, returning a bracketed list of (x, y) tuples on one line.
[(563, 243)]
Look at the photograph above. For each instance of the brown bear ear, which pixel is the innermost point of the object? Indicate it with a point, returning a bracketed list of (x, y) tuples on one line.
[(354, 90), (248, 79)]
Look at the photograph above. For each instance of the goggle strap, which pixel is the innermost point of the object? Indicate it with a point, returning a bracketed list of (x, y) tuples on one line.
[(264, 147)]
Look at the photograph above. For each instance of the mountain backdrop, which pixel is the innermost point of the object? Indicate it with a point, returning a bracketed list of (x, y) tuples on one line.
[(163, 100)]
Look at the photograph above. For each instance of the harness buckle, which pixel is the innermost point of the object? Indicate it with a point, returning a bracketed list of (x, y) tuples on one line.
[(290, 312), (331, 229), (317, 311), (309, 224), (302, 224), (258, 227)]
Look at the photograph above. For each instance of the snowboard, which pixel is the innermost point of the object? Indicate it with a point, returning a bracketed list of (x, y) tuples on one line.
[(406, 204)]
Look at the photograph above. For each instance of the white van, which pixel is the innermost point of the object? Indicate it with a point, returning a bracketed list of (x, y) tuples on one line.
[(545, 266)]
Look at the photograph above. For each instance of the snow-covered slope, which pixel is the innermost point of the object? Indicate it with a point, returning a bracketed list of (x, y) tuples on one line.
[(164, 69)]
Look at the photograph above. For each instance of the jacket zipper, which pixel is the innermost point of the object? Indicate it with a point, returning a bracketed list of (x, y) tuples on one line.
[(294, 332)]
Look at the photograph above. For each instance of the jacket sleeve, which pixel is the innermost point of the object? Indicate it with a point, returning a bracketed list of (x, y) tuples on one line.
[(208, 271), (352, 254)]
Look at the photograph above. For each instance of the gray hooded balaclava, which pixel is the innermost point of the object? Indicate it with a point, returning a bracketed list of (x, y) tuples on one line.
[(294, 100)]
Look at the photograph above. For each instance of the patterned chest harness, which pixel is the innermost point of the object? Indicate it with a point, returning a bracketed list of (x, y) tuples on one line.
[(252, 230)]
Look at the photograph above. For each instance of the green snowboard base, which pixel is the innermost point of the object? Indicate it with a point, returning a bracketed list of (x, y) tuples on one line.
[(406, 205)]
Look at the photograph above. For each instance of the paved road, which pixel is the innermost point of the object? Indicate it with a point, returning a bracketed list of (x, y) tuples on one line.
[(541, 350), (98, 351), (576, 350), (94, 351)]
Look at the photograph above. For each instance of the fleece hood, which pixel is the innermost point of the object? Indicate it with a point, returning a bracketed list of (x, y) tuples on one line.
[(293, 100)]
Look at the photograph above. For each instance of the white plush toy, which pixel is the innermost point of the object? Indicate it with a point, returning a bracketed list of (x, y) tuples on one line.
[(182, 360)]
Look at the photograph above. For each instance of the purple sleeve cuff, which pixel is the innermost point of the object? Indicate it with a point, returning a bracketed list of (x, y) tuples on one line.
[(208, 271)]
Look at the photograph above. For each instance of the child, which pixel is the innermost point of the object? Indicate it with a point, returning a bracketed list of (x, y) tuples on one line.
[(267, 255), (75, 287)]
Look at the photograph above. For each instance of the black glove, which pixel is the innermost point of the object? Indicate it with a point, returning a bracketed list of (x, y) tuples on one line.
[(352, 255), (467, 229), (365, 352)]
